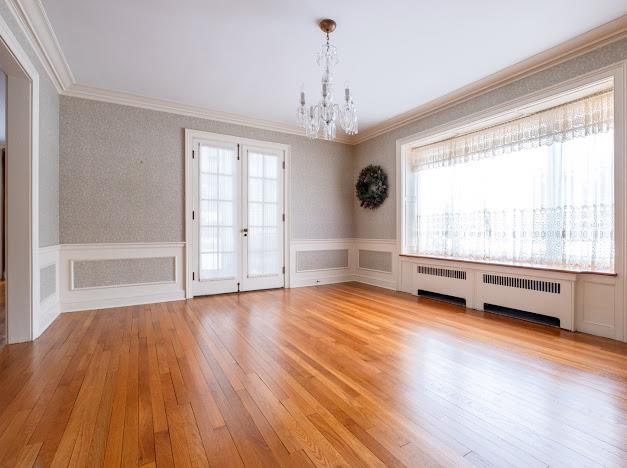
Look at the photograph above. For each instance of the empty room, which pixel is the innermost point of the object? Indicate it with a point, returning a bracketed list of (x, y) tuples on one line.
[(296, 233)]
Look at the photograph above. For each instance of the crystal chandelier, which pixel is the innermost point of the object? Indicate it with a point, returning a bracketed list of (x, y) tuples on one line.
[(320, 120)]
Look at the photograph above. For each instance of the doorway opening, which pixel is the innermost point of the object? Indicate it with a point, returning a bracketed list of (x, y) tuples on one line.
[(20, 189)]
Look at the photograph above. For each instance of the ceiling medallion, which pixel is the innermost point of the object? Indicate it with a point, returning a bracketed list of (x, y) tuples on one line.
[(319, 121)]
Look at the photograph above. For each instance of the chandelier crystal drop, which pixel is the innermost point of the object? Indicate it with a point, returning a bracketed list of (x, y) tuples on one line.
[(320, 120)]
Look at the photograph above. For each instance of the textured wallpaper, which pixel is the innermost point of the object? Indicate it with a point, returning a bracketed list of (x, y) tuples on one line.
[(375, 260), (48, 142), (122, 179), (381, 223), (100, 273), (122, 175), (307, 260)]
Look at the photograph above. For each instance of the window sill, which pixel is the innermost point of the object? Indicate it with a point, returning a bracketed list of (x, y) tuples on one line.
[(509, 265)]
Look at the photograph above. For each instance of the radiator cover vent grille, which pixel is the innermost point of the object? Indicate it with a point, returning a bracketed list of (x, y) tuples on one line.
[(522, 283), (445, 272)]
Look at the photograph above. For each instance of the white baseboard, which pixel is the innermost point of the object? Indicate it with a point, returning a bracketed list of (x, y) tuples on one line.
[(49, 310), (122, 301), (320, 280), (382, 283)]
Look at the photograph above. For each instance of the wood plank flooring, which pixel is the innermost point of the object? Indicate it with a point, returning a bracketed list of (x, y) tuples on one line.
[(338, 375)]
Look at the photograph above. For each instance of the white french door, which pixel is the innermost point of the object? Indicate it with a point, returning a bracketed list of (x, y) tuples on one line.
[(262, 218), (237, 216)]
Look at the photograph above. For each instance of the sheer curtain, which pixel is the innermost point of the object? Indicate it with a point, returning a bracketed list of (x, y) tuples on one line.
[(535, 191)]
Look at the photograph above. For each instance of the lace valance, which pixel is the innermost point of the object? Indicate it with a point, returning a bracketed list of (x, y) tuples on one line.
[(582, 117)]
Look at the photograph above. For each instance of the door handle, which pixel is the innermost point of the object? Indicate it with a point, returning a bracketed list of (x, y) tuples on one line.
[(244, 231)]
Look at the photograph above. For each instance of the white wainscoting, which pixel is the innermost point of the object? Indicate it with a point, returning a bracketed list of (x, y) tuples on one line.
[(352, 271), (590, 303), (377, 277), (48, 308), (312, 277), (599, 306), (100, 297)]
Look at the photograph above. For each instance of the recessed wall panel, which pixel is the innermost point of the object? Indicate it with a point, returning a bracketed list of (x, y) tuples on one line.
[(120, 272), (375, 260), (311, 260)]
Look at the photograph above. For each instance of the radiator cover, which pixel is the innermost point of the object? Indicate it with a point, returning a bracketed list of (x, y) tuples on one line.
[(550, 297), (549, 293), (443, 280)]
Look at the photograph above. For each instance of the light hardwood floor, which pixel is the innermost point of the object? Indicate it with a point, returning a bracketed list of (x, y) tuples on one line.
[(332, 375)]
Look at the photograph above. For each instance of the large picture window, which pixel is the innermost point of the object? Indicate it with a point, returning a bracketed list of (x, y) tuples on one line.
[(534, 191)]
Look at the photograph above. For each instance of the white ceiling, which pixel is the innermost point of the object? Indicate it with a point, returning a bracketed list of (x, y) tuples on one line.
[(250, 57)]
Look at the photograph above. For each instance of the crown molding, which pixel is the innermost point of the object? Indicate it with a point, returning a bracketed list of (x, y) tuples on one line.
[(34, 22), (162, 105), (579, 45)]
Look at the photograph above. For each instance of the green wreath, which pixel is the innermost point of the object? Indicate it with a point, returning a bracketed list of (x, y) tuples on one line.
[(372, 186)]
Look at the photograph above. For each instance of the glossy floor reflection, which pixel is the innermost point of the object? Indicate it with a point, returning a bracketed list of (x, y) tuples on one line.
[(338, 375)]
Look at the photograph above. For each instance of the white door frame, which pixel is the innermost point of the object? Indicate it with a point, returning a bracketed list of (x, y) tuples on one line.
[(22, 188), (190, 135)]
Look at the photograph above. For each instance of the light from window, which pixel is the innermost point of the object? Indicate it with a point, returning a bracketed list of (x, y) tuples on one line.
[(536, 191)]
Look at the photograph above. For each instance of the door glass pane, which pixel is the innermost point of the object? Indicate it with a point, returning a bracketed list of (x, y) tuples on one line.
[(217, 230), (264, 217)]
